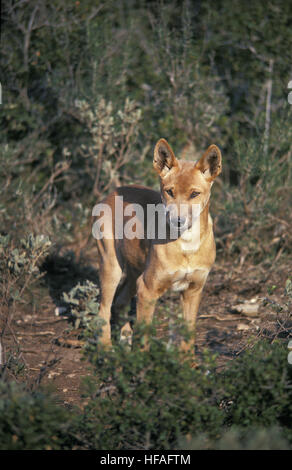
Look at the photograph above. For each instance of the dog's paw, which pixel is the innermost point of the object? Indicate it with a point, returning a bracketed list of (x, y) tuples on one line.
[(126, 336)]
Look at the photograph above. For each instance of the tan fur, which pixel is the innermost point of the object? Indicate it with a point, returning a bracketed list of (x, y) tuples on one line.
[(151, 267)]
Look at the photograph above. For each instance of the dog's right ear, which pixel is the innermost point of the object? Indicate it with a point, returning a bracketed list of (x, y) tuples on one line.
[(164, 159)]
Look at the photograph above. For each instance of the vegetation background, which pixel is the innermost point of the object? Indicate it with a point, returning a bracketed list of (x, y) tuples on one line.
[(87, 89)]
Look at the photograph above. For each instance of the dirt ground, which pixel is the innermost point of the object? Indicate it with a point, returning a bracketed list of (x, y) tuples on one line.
[(52, 355)]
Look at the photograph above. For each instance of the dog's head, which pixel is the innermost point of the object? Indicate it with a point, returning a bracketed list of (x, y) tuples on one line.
[(185, 185)]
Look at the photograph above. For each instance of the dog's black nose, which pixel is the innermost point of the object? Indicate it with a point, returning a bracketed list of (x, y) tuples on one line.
[(178, 221)]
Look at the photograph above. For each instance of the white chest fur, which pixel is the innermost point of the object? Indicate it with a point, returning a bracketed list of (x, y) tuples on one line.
[(182, 278), (190, 239), (189, 272), (179, 286)]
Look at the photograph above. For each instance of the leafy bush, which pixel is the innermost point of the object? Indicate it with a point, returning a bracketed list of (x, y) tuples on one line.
[(241, 439), (112, 139), (19, 266), (147, 399), (84, 306), (252, 215), (155, 400), (19, 271), (257, 388), (31, 420)]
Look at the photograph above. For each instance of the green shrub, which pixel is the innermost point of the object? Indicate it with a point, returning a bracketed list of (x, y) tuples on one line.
[(113, 134), (253, 214), (31, 420), (19, 266), (150, 399), (240, 439), (84, 306), (155, 400), (147, 399), (19, 271), (257, 388)]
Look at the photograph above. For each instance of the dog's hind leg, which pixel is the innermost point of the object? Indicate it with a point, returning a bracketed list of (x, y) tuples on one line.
[(120, 309)]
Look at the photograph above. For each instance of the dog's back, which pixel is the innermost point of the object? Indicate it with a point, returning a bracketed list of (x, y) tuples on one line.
[(131, 252)]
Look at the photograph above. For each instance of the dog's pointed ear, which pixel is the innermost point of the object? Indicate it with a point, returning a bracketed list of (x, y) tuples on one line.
[(164, 159), (210, 164)]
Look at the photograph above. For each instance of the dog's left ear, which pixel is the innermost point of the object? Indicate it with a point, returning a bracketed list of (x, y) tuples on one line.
[(210, 164)]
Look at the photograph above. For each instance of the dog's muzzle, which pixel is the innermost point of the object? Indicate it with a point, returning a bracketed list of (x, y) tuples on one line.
[(178, 222)]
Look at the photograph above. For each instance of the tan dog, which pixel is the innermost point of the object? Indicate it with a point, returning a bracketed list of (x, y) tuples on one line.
[(152, 266)]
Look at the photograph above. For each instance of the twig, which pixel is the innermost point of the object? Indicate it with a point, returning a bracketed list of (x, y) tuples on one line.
[(216, 317), (45, 322), (52, 178), (40, 333), (268, 107)]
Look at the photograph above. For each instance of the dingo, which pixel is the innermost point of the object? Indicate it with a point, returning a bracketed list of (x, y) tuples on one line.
[(149, 267)]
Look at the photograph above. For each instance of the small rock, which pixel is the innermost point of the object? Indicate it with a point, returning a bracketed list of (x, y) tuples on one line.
[(60, 310), (242, 326), (69, 343), (248, 309), (53, 374)]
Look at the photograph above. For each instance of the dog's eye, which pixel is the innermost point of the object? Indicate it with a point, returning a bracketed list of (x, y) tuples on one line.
[(194, 194), (169, 192)]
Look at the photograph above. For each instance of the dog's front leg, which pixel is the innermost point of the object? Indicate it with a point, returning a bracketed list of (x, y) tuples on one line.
[(110, 276), (191, 300), (146, 300)]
